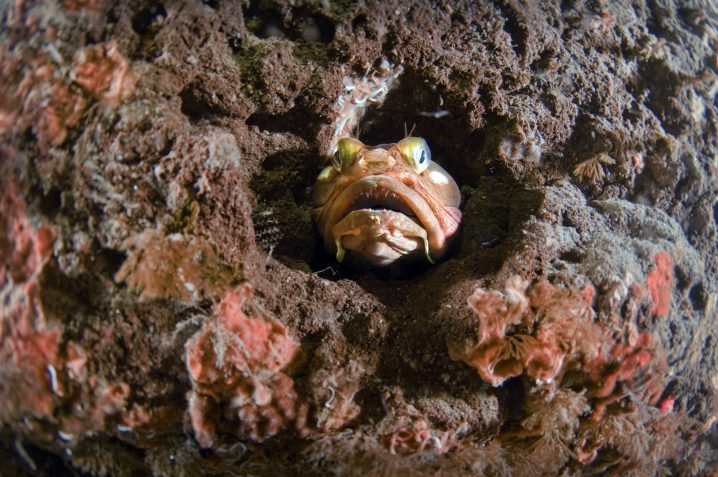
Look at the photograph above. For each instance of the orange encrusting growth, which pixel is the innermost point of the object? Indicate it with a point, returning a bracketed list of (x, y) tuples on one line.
[(45, 378), (636, 367), (51, 101), (238, 365), (534, 330), (22, 248), (548, 333), (659, 284)]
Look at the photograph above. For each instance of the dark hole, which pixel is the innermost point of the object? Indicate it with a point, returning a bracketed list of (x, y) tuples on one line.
[(144, 20), (213, 4), (517, 31), (272, 29), (513, 393), (234, 41), (567, 4), (51, 202), (193, 106), (682, 278), (359, 21), (112, 16), (46, 463), (110, 261), (572, 256), (698, 297), (320, 28), (265, 22)]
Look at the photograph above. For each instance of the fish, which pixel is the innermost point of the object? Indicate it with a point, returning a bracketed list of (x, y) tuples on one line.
[(382, 203)]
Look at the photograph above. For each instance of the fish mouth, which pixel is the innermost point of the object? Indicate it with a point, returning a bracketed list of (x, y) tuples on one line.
[(381, 197)]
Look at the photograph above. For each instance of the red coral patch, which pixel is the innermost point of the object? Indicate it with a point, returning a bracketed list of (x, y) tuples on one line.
[(532, 330), (659, 284), (104, 73), (22, 248), (237, 363)]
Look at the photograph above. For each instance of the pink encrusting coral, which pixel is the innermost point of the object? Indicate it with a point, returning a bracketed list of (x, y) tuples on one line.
[(659, 284), (23, 248), (238, 365), (546, 332), (102, 71), (535, 330), (42, 378), (37, 93)]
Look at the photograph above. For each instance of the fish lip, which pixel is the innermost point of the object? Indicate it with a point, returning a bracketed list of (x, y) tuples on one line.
[(337, 209)]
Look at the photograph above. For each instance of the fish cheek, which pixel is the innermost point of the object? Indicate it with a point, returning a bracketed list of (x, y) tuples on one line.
[(443, 185), (324, 186)]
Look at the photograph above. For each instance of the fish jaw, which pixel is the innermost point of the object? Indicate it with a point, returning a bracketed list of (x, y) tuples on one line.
[(381, 236), (381, 187)]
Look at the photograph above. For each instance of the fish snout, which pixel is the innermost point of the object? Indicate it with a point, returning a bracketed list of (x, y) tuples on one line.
[(375, 161)]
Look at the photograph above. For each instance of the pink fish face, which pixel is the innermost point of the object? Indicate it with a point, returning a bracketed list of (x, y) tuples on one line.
[(385, 202)]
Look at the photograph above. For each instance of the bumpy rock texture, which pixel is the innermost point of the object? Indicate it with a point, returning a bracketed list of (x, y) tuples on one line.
[(167, 306)]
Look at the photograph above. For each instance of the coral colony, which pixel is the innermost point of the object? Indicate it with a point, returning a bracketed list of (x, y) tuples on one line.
[(550, 334), (238, 368)]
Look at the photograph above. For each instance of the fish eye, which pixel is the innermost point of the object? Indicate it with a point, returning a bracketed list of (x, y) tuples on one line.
[(347, 149), (416, 152)]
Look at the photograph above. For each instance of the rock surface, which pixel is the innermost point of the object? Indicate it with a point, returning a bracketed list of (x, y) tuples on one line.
[(157, 163)]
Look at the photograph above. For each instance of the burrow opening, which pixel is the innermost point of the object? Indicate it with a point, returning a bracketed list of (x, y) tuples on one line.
[(303, 24), (491, 195)]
